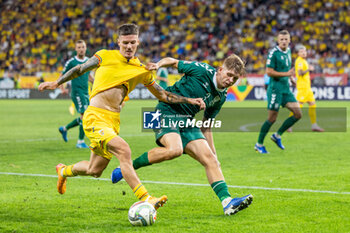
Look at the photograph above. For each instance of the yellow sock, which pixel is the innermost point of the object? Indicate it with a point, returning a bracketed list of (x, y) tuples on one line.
[(312, 113), (141, 192), (67, 171)]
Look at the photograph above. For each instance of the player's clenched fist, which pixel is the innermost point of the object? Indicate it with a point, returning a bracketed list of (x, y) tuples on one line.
[(197, 101), (47, 85), (152, 66)]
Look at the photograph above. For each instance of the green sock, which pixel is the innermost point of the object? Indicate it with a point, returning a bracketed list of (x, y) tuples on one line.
[(220, 189), (263, 131), (74, 123), (141, 161), (81, 132), (287, 124)]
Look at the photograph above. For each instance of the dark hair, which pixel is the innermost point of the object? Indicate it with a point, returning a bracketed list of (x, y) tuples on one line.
[(234, 62), (128, 29), (283, 32), (80, 42)]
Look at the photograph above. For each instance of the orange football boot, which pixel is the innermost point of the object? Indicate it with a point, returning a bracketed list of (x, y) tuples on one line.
[(61, 182)]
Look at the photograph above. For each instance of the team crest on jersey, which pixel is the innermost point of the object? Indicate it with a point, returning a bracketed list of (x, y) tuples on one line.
[(101, 132), (206, 84)]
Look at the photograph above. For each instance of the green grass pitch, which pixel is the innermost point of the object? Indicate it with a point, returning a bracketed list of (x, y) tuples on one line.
[(30, 144)]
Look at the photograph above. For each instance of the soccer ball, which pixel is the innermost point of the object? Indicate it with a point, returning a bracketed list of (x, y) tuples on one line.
[(142, 214)]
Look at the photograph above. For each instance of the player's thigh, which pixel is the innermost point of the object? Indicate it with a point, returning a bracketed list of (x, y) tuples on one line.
[(120, 148), (172, 141), (295, 108), (100, 127), (200, 150)]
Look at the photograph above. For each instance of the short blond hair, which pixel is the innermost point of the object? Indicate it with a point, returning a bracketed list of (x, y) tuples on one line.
[(235, 63), (300, 47)]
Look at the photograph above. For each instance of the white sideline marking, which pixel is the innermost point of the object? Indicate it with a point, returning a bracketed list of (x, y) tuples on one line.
[(245, 127), (60, 139), (187, 184)]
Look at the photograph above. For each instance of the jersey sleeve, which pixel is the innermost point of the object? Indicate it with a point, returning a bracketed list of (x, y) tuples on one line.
[(271, 60), (213, 111), (194, 68), (148, 80), (67, 66), (101, 55)]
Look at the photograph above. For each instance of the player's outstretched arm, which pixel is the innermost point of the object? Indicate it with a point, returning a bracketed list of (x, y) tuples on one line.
[(165, 62), (171, 98), (73, 73)]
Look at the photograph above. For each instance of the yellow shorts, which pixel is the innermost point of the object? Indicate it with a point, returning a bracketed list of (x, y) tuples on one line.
[(100, 127), (305, 95)]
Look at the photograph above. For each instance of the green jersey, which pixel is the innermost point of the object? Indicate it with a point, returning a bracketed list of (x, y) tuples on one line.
[(163, 73), (280, 61), (199, 81), (81, 83)]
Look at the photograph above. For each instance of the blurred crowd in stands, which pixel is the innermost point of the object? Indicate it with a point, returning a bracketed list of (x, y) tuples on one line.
[(39, 35)]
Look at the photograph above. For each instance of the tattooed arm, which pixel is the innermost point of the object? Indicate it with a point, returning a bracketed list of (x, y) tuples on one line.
[(172, 98), (73, 73)]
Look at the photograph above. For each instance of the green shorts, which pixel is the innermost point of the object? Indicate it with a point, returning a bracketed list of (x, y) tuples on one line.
[(81, 101), (275, 99), (169, 116)]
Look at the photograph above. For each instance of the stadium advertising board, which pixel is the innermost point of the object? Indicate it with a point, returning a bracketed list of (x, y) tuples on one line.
[(140, 92), (325, 79), (235, 93), (31, 94), (241, 93)]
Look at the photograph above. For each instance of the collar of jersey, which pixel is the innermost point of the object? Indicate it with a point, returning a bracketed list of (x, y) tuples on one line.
[(216, 84), (80, 60), (124, 58), (282, 50)]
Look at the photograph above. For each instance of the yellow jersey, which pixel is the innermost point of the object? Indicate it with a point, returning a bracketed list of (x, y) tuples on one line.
[(114, 70), (303, 81)]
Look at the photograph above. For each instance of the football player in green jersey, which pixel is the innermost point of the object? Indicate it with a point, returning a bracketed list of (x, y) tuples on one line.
[(79, 93), (162, 77), (200, 80), (279, 68)]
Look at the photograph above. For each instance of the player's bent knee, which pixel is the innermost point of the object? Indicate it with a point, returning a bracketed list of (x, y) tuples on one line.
[(174, 153), (94, 172), (298, 115), (272, 119)]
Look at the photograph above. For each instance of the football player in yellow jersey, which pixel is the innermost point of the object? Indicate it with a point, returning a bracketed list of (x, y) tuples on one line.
[(303, 84), (117, 74)]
